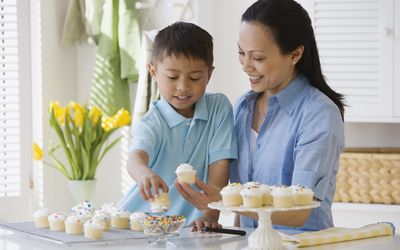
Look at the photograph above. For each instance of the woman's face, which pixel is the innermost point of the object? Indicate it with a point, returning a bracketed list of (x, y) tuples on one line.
[(268, 69)]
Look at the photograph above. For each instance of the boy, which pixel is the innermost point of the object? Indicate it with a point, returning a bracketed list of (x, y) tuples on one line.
[(186, 125)]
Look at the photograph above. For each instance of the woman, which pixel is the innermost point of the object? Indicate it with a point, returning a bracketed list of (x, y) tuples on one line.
[(290, 125)]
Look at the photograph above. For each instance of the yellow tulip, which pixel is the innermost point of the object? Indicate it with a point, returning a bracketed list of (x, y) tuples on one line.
[(95, 114), (59, 112), (79, 113), (122, 118), (37, 152), (107, 123)]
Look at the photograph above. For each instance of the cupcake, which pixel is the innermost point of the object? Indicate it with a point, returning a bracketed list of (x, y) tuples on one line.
[(103, 218), (186, 173), (120, 218), (282, 197), (135, 220), (253, 196), (93, 230), (56, 221), (160, 203), (251, 183), (41, 218), (83, 205), (302, 195), (109, 207), (74, 225), (231, 195), (267, 196)]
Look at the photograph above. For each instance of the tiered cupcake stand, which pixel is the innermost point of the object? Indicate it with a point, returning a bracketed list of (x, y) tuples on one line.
[(264, 237)]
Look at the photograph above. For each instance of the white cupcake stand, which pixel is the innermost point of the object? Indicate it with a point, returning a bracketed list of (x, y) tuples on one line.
[(264, 237)]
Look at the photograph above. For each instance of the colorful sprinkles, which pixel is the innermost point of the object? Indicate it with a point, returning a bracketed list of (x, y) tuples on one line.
[(162, 224)]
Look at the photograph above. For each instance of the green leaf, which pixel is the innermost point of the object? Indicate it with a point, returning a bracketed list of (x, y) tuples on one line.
[(60, 134)]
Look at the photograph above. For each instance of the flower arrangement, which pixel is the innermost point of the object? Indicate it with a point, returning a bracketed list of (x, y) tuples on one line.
[(83, 135)]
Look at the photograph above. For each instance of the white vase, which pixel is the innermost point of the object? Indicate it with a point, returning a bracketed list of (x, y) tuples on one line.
[(82, 190)]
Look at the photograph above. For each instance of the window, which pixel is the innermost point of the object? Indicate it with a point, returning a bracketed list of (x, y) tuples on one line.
[(15, 105)]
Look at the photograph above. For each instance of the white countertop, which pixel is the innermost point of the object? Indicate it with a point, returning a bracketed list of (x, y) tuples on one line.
[(187, 240)]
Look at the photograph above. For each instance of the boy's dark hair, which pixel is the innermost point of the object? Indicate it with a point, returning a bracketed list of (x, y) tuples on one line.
[(291, 27), (186, 39)]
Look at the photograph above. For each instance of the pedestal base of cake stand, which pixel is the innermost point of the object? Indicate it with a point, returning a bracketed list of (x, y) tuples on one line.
[(264, 237)]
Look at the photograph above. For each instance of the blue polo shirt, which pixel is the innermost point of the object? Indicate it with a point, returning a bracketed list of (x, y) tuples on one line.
[(170, 139), (299, 143)]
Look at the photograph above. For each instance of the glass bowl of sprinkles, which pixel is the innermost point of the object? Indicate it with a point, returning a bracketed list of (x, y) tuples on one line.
[(161, 228)]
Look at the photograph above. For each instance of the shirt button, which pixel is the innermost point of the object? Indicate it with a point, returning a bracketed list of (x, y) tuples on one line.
[(188, 124), (189, 141)]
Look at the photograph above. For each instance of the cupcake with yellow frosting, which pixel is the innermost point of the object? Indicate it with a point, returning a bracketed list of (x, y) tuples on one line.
[(231, 195)]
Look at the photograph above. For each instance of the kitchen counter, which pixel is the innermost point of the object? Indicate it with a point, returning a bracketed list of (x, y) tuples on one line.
[(187, 240)]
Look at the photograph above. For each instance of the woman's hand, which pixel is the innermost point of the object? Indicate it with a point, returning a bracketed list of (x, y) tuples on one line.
[(150, 181), (207, 220), (200, 199)]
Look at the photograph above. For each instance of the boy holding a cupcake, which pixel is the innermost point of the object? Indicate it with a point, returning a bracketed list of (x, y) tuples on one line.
[(186, 125)]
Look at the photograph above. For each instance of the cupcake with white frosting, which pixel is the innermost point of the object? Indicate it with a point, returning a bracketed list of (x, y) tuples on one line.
[(74, 224), (103, 218), (302, 195), (93, 230), (160, 204), (282, 197), (186, 173), (135, 220), (252, 196), (84, 214), (109, 207), (83, 205), (56, 221), (267, 196), (251, 183), (231, 194), (41, 218), (120, 218)]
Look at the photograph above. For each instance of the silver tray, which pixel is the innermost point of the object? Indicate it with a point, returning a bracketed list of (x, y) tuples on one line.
[(28, 228)]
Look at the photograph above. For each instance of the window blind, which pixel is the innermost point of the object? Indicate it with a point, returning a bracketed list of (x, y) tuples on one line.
[(10, 153), (353, 48)]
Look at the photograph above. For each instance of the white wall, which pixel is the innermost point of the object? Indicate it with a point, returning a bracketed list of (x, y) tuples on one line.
[(66, 76), (222, 21), (67, 73)]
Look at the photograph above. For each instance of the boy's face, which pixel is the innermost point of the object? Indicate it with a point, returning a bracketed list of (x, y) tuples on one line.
[(181, 81)]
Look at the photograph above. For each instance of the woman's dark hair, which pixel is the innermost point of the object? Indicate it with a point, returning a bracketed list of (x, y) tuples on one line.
[(291, 28), (186, 39)]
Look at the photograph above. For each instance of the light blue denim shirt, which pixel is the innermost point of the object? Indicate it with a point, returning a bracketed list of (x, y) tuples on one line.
[(170, 139), (299, 143)]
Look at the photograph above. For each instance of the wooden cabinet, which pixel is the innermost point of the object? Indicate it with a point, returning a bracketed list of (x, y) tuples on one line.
[(358, 42)]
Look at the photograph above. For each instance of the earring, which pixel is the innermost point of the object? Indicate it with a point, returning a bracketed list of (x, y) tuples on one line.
[(294, 62)]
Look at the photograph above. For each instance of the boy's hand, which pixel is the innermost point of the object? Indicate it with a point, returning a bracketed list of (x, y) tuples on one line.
[(205, 221), (150, 181), (201, 199)]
